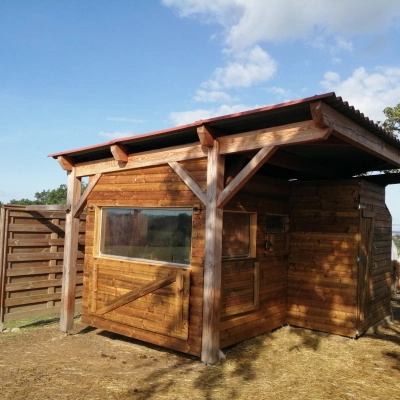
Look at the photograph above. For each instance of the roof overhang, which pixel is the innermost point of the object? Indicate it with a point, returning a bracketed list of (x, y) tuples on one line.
[(351, 145)]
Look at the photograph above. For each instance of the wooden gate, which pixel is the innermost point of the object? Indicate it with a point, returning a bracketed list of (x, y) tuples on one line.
[(31, 260)]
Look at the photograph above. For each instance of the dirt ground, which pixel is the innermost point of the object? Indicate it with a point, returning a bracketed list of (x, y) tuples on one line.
[(40, 362)]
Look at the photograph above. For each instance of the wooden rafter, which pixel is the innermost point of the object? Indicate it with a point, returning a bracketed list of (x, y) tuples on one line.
[(66, 163), (119, 152), (206, 135), (190, 182), (349, 131)]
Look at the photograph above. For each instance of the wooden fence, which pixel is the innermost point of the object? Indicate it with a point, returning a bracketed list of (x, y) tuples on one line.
[(31, 260)]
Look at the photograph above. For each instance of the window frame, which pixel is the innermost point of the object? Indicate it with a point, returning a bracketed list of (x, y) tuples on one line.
[(285, 219), (99, 226)]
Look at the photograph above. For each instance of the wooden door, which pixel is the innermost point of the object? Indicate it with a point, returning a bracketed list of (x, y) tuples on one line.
[(367, 224), (152, 298)]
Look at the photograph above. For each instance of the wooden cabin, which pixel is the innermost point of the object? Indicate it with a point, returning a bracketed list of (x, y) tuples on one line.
[(201, 236)]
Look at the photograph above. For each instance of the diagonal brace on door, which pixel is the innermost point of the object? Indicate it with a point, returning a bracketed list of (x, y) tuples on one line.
[(137, 293)]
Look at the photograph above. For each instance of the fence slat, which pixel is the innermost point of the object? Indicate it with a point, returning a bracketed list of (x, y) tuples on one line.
[(31, 258)]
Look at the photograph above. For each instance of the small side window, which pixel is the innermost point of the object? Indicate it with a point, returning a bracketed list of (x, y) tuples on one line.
[(275, 224), (276, 227)]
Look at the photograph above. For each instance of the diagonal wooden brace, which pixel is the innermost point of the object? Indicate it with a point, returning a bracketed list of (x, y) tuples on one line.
[(137, 293)]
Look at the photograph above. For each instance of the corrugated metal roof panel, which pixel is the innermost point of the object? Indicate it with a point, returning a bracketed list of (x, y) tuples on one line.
[(279, 114)]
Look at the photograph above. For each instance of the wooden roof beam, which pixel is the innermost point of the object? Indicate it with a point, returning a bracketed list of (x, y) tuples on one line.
[(119, 152), (296, 133), (206, 135), (65, 162), (325, 116), (143, 159), (301, 132)]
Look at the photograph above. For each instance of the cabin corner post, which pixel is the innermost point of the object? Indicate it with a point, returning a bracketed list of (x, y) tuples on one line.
[(70, 254), (212, 258)]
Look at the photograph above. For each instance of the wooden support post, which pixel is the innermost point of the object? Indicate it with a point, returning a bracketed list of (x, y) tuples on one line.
[(212, 259), (70, 255)]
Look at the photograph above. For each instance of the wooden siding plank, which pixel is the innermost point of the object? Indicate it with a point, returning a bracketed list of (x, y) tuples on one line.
[(135, 294)]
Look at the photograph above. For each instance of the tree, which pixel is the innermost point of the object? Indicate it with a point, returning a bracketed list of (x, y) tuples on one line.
[(392, 121), (54, 196)]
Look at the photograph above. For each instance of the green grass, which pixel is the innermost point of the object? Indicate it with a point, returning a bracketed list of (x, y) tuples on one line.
[(34, 322)]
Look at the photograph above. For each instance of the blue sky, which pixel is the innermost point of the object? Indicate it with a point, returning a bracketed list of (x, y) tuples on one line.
[(80, 72)]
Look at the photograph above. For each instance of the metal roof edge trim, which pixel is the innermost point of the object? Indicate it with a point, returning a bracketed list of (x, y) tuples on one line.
[(330, 98)]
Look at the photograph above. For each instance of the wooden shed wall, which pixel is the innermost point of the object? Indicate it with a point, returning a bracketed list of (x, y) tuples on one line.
[(324, 241), (339, 270), (152, 318), (372, 200), (263, 196)]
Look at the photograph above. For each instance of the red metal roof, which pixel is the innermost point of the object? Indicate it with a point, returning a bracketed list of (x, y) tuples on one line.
[(277, 114)]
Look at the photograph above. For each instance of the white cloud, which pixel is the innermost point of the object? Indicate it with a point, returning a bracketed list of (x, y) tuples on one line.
[(189, 117), (116, 135), (331, 26), (333, 47), (224, 12), (247, 22), (248, 68), (369, 92)]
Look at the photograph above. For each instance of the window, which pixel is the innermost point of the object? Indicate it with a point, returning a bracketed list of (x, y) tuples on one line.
[(238, 235), (275, 224), (276, 227), (147, 234)]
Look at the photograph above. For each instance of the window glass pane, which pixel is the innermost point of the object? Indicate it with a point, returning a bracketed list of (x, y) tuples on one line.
[(275, 223), (236, 235), (152, 234)]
